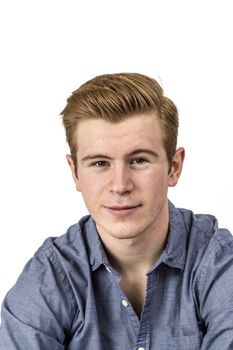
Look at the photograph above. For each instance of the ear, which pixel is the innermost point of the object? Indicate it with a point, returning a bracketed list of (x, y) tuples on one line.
[(73, 171), (176, 166)]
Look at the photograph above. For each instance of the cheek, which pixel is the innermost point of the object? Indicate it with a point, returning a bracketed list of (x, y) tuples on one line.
[(90, 188), (155, 182)]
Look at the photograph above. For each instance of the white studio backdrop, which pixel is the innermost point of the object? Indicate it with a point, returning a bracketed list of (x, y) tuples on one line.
[(49, 48)]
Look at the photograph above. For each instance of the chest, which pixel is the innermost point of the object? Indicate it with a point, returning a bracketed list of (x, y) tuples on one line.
[(134, 288), (168, 314)]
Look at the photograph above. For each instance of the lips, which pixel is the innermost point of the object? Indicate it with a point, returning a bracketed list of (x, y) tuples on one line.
[(122, 210)]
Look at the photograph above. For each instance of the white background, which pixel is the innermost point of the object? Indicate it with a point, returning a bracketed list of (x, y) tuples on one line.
[(48, 48)]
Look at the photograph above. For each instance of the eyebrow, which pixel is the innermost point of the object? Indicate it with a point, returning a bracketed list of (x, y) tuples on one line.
[(145, 151), (133, 153), (95, 156)]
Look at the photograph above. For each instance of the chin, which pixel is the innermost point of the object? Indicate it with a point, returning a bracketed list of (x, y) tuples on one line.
[(124, 235), (123, 232)]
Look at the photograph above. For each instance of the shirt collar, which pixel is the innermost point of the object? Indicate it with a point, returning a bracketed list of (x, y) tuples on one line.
[(173, 255), (97, 253)]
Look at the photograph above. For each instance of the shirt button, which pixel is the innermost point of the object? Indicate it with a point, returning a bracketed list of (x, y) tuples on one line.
[(125, 304), (108, 269), (141, 348)]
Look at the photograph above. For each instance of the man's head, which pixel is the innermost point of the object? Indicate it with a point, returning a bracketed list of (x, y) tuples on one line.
[(116, 97), (122, 132)]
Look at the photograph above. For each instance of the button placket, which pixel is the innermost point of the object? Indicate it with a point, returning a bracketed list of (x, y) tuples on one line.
[(143, 337)]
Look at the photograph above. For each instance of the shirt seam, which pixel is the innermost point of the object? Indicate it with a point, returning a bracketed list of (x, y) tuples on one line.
[(219, 244), (52, 256)]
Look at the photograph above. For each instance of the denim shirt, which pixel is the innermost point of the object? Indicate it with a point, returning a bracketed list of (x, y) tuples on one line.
[(68, 296)]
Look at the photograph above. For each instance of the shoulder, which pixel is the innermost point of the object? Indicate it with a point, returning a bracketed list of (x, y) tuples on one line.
[(209, 260), (66, 247), (208, 263), (53, 260), (217, 261), (213, 283), (203, 241), (203, 233), (47, 278)]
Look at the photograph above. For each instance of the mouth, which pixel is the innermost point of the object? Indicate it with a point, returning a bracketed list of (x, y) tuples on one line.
[(122, 210)]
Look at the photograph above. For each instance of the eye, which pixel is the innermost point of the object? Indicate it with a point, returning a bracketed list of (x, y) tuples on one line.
[(100, 164), (139, 161)]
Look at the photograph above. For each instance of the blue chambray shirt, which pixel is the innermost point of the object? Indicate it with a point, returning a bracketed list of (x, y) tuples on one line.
[(68, 296)]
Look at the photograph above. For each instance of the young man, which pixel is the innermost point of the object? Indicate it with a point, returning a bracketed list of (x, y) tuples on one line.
[(137, 273)]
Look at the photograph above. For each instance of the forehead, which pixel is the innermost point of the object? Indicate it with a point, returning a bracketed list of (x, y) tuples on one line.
[(142, 130)]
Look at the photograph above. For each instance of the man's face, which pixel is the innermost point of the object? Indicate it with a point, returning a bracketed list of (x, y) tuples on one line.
[(123, 174)]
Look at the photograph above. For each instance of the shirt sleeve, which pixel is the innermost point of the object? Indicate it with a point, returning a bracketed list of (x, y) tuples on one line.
[(216, 294), (37, 312)]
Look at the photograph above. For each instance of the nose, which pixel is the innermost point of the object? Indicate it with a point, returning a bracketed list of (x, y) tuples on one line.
[(121, 181)]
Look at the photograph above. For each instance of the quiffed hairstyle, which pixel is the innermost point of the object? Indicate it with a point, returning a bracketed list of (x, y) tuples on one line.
[(115, 97)]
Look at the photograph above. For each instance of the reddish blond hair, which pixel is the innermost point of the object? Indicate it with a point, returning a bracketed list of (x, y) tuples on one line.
[(114, 97)]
